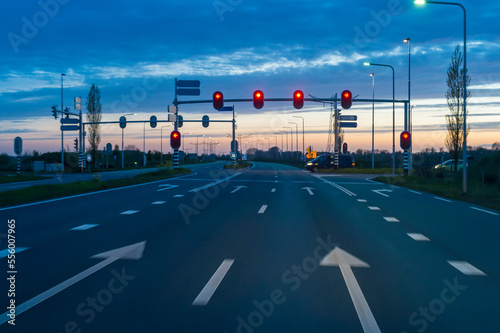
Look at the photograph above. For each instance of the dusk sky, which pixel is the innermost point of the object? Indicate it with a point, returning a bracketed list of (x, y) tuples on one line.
[(134, 50)]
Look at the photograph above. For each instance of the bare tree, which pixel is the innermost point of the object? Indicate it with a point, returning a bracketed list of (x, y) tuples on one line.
[(454, 97), (94, 114), (495, 146)]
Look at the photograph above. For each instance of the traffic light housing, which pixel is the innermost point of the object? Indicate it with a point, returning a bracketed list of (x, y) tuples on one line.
[(344, 148), (405, 140), (258, 99), (180, 121), (54, 111), (175, 139), (76, 144), (346, 99), (218, 100), (298, 99)]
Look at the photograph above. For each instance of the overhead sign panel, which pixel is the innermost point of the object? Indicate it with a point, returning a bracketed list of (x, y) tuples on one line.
[(70, 121), (349, 124), (70, 128), (348, 118), (188, 92), (188, 83)]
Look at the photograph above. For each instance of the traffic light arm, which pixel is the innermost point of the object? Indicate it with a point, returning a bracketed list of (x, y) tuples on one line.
[(242, 100)]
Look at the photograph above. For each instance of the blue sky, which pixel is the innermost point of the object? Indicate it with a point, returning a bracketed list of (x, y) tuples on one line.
[(133, 51)]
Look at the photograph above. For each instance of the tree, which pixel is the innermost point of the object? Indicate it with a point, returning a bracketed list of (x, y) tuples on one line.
[(495, 146), (94, 114), (455, 99)]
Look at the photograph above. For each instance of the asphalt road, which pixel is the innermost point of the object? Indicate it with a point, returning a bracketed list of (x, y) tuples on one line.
[(270, 249)]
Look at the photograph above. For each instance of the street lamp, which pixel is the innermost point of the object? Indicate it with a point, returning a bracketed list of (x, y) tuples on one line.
[(291, 137), (393, 115), (268, 144), (408, 116), (123, 155), (373, 120), (161, 144), (62, 132), (286, 139), (197, 144), (296, 134), (303, 122), (281, 141), (464, 157)]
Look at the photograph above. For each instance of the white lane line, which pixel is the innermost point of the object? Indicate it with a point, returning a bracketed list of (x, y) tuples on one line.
[(466, 268), (362, 200), (262, 209), (273, 190), (384, 190), (418, 237), (214, 282), (414, 192), (373, 208), (158, 202), (372, 181), (391, 219), (129, 212), (214, 183), (5, 253), (484, 211), (445, 200), (166, 187), (178, 195), (84, 227)]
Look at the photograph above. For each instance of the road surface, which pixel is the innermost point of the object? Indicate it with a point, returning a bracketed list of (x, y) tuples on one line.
[(269, 249)]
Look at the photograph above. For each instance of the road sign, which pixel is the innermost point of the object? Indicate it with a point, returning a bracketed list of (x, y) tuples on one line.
[(70, 128), (109, 149), (243, 157), (78, 103), (234, 145), (172, 109), (18, 145), (226, 108), (233, 156), (123, 122), (70, 121), (188, 92), (349, 124), (188, 83), (205, 121), (348, 118), (172, 118), (89, 158)]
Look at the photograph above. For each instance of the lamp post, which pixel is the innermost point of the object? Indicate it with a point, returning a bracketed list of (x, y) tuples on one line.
[(303, 122), (62, 132), (197, 151), (161, 143), (464, 158), (291, 137), (281, 140), (268, 144), (296, 134), (286, 139), (144, 146), (373, 120), (123, 154), (393, 115), (408, 116)]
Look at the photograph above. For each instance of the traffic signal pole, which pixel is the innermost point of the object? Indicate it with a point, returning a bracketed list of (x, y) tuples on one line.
[(176, 150)]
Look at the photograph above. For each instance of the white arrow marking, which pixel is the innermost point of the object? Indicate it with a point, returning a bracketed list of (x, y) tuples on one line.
[(385, 195), (166, 187), (238, 188), (339, 257), (133, 251), (309, 189)]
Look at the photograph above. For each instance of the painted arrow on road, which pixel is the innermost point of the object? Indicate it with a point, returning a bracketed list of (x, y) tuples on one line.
[(309, 189), (345, 260), (166, 187), (238, 188), (384, 190), (133, 252)]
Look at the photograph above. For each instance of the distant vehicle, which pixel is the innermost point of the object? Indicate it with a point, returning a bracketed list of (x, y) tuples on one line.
[(450, 165), (327, 162)]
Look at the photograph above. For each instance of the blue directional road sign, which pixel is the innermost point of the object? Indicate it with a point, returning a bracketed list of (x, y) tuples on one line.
[(190, 84), (349, 124), (70, 128), (70, 121), (348, 118)]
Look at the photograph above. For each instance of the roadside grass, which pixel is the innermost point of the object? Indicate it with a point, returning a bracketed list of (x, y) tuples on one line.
[(51, 191), (487, 195), (238, 165), (380, 171), (21, 178)]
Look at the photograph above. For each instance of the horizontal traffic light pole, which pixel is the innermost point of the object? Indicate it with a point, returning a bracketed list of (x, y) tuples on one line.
[(291, 100), (158, 121)]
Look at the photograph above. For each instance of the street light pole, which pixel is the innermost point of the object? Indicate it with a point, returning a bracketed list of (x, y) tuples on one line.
[(286, 139), (373, 120), (62, 132), (393, 115), (281, 141), (303, 124), (464, 156), (291, 137), (296, 134)]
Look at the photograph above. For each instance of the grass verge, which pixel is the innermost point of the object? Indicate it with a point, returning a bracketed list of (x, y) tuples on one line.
[(385, 171), (20, 178), (487, 196), (51, 191)]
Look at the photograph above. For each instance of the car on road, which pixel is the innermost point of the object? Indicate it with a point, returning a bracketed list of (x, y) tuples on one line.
[(450, 166), (327, 162)]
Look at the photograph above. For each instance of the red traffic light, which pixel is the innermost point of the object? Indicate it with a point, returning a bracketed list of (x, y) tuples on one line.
[(405, 140), (175, 139), (344, 148), (258, 99), (218, 100), (346, 99), (298, 99)]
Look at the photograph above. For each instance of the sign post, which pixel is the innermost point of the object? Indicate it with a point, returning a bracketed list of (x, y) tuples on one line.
[(18, 149)]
